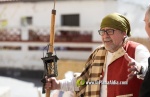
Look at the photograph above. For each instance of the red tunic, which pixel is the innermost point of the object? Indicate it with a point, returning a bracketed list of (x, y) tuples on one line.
[(117, 71)]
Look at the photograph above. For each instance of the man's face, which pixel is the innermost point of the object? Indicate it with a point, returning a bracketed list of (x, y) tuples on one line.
[(147, 24), (113, 42)]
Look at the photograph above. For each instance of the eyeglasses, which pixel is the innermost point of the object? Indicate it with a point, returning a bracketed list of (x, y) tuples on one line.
[(108, 32)]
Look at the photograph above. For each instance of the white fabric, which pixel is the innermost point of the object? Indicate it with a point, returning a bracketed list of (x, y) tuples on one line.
[(68, 85), (104, 86), (141, 56)]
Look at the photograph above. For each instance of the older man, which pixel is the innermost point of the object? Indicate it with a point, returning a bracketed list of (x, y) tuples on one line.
[(110, 70), (145, 88)]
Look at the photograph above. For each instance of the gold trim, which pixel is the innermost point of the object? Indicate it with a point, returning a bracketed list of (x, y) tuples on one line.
[(127, 95)]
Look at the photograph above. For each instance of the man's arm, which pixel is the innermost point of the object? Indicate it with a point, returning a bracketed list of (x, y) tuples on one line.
[(139, 65), (141, 57), (68, 84)]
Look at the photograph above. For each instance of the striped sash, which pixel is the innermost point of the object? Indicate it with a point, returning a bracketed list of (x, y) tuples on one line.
[(92, 72)]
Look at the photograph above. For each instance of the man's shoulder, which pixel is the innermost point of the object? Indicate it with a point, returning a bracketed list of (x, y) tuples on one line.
[(136, 45), (100, 47), (133, 44)]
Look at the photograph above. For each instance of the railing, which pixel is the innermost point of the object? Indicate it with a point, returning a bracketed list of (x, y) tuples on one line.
[(27, 55), (10, 34), (42, 35)]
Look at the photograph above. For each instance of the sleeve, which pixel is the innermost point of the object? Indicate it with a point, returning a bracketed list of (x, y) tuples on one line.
[(68, 84), (141, 57)]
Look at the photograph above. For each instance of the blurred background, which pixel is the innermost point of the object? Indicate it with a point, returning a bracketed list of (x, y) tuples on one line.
[(24, 33)]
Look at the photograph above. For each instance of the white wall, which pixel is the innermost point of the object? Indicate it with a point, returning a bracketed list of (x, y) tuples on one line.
[(134, 10), (91, 12)]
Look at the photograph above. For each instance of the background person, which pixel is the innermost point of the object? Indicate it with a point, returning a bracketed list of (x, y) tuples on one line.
[(145, 88)]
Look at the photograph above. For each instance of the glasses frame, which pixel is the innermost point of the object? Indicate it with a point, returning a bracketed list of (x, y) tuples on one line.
[(102, 32)]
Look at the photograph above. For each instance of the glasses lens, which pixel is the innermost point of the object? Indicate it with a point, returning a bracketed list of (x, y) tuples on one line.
[(110, 31), (101, 32)]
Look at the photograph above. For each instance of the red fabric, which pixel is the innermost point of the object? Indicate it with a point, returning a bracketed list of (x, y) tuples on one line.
[(118, 71)]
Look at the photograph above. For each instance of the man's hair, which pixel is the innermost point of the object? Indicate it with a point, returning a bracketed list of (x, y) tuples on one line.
[(148, 12)]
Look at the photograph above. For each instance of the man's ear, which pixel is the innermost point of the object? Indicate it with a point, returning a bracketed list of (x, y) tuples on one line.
[(149, 24), (124, 33)]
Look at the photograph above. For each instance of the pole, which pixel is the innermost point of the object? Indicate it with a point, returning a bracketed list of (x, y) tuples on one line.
[(52, 38)]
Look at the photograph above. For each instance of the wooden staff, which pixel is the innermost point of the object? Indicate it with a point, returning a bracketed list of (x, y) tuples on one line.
[(52, 38), (52, 27)]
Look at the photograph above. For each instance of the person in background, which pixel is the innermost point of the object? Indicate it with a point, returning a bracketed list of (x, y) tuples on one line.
[(145, 88), (114, 69)]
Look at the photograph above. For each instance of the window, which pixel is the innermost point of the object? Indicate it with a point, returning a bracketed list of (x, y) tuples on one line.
[(25, 21), (70, 20)]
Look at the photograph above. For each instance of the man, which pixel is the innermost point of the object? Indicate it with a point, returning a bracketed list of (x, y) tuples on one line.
[(145, 88), (110, 70)]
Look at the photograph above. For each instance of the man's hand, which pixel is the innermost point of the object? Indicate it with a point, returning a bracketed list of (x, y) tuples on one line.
[(52, 83), (134, 67)]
